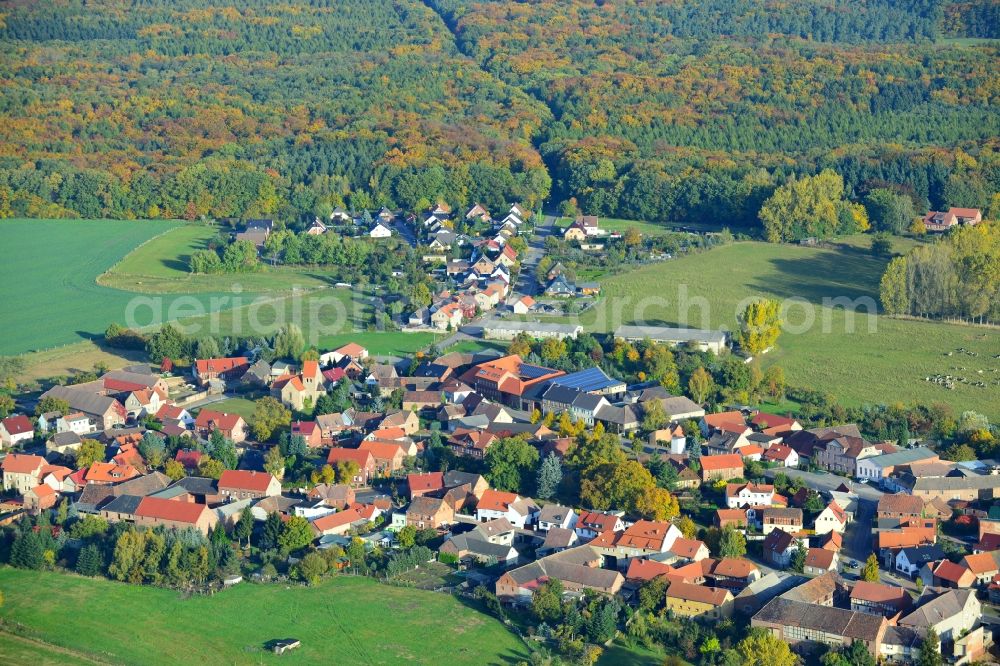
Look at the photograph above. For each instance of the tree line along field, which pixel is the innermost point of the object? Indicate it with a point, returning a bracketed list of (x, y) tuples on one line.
[(887, 365), (47, 278), (342, 620)]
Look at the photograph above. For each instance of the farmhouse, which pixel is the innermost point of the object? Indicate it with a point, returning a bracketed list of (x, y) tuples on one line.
[(226, 369), (231, 426), (242, 484), (103, 412)]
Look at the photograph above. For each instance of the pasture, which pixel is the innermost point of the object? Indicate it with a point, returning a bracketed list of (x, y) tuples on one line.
[(857, 358), (47, 278), (341, 620)]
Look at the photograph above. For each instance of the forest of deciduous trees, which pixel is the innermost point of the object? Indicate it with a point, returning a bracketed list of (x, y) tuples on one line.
[(695, 111), (957, 277), (689, 111)]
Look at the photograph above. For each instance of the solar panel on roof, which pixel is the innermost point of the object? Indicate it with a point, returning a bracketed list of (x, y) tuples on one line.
[(591, 379), (533, 371)]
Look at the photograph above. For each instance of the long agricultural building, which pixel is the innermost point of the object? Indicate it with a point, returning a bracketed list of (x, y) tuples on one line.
[(702, 339), (508, 330)]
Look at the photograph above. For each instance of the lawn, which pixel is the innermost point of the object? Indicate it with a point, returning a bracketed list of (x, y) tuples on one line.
[(886, 364), (48, 279), (242, 406), (345, 620), (645, 228), (473, 346)]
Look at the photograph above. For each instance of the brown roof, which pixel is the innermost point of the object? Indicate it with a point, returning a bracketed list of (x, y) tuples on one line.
[(734, 567), (951, 572), (879, 593), (706, 595), (836, 621), (686, 547), (900, 503), (245, 480), (364, 459), (819, 558)]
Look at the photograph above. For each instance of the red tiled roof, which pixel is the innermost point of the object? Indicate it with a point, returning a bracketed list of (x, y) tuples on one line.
[(724, 461), (429, 481), (645, 534), (304, 428), (245, 480), (599, 522), (772, 420), (20, 463), (381, 450), (109, 472), (724, 418), (496, 500), (687, 548), (173, 510), (819, 558), (222, 420), (981, 563), (949, 571), (352, 349), (879, 593), (43, 490), (640, 569), (388, 433), (170, 412), (734, 567), (340, 454), (121, 385), (220, 364), (16, 425)]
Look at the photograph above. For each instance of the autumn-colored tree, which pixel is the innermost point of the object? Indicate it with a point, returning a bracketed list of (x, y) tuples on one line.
[(759, 326), (701, 385)]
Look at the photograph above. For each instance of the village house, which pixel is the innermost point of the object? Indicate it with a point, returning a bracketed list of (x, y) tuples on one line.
[(363, 459), (309, 431), (172, 514), (784, 455), (698, 601), (778, 547), (487, 543), (336, 496), (819, 561), (789, 520), (556, 515), (103, 412), (224, 369), (641, 539), (879, 599), (16, 429), (749, 494), (726, 466), (242, 484), (498, 504), (948, 612), (429, 512), (388, 456), (938, 221), (232, 426), (22, 472), (592, 523), (831, 519), (841, 455)]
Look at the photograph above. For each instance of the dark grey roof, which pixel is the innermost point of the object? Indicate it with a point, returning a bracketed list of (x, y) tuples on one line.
[(923, 554), (455, 478), (564, 395), (143, 485), (198, 485), (588, 401), (65, 438), (123, 504)]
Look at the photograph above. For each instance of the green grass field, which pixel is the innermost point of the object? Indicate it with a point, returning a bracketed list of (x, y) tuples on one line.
[(242, 406), (888, 364), (645, 228), (47, 278), (161, 266), (343, 620)]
